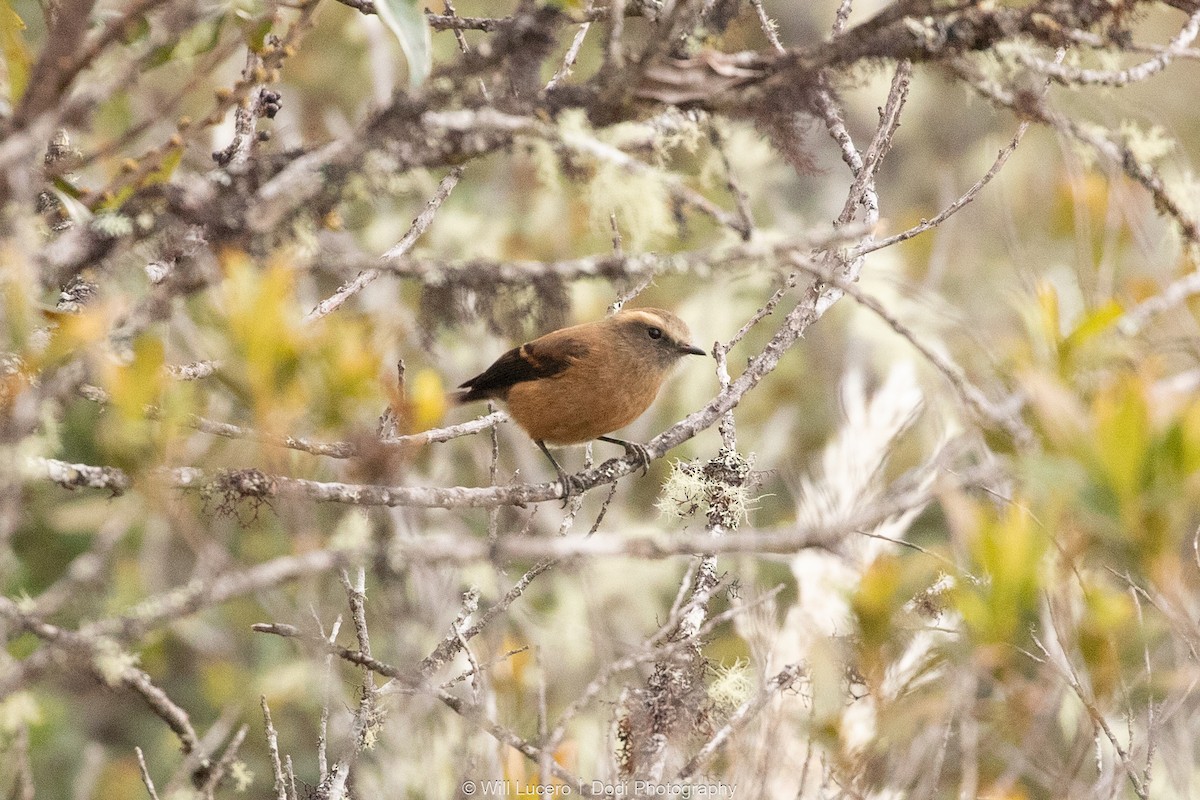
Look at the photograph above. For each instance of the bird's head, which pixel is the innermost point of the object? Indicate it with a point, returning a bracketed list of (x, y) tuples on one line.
[(653, 336)]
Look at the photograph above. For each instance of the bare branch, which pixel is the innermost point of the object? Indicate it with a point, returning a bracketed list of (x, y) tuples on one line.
[(273, 750), (1006, 416), (1105, 144), (348, 449), (738, 719), (419, 226), (953, 208), (1073, 76), (146, 779), (484, 273), (564, 69), (194, 371)]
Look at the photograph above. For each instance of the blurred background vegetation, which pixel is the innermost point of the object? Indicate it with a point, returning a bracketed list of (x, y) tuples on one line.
[(1029, 632)]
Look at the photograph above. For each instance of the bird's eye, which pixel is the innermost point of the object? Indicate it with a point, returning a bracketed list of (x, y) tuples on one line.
[(654, 333)]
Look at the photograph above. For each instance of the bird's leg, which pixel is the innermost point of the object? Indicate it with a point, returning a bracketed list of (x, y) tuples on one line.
[(638, 451), (563, 477)]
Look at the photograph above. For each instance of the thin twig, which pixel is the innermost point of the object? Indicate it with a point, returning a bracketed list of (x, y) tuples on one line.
[(365, 717), (970, 395), (323, 731), (741, 200), (291, 777), (147, 781), (485, 273), (1101, 141), (572, 53), (1074, 76), (614, 54), (245, 120), (656, 647), (450, 645), (413, 683), (221, 767), (769, 28), (341, 449), (953, 208), (396, 251), (273, 750), (780, 682), (194, 371)]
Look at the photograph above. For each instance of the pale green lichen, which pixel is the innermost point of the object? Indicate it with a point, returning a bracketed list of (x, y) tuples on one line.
[(242, 776), (718, 488), (370, 736), (1088, 157), (684, 491), (26, 604), (669, 131), (1147, 145), (305, 244), (112, 225), (18, 710), (640, 200), (353, 533), (112, 662), (1109, 59), (618, 185), (546, 168), (165, 603), (184, 794), (731, 686), (1184, 188)]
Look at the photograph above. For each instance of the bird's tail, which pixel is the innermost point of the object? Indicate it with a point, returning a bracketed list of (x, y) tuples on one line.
[(467, 394)]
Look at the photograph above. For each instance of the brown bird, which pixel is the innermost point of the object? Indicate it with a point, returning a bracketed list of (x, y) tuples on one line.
[(579, 383)]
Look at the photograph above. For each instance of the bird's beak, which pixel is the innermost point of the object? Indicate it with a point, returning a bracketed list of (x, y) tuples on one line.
[(691, 349)]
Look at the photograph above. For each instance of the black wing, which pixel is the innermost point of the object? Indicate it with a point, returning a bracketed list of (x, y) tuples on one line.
[(529, 362)]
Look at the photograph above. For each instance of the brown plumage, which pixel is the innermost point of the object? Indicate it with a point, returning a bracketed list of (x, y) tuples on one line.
[(577, 384)]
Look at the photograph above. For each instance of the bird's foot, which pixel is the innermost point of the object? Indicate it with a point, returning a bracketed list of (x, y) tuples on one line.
[(568, 484), (641, 453)]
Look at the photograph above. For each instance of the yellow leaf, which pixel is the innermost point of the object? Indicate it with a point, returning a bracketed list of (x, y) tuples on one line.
[(1093, 323), (138, 384), (1047, 297), (262, 322), (16, 54), (1008, 551), (75, 332), (428, 400), (1122, 434), (875, 600), (165, 168)]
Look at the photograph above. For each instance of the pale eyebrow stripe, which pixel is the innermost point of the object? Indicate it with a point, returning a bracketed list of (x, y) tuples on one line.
[(649, 318)]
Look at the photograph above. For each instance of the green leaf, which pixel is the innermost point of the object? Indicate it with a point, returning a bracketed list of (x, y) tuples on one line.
[(136, 31), (1008, 549), (406, 20), (159, 55), (1093, 324), (1122, 434), (1047, 298), (63, 185), (16, 54), (201, 39), (255, 31), (165, 169)]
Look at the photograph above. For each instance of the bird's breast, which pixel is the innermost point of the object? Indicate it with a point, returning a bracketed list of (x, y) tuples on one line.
[(571, 408)]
